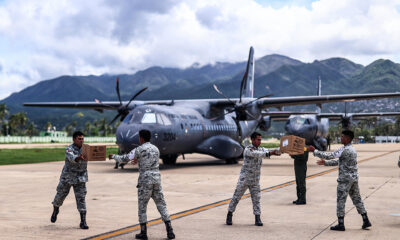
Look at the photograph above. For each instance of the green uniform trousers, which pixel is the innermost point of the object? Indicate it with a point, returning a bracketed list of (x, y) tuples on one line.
[(300, 170)]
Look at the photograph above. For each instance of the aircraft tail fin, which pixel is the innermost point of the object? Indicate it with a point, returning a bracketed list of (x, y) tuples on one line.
[(319, 106), (247, 84)]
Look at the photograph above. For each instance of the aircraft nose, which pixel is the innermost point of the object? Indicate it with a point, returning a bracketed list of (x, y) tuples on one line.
[(127, 137)]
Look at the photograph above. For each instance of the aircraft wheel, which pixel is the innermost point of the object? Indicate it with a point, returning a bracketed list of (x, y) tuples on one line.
[(169, 159), (232, 161)]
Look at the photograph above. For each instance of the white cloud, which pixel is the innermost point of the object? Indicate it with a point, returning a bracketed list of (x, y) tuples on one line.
[(45, 39)]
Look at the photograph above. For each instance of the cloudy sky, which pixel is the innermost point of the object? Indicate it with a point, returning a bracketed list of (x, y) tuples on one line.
[(43, 39)]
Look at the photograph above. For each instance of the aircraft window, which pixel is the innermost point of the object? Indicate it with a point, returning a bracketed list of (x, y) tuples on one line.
[(165, 119), (307, 121), (136, 117), (298, 120), (128, 118), (159, 119), (149, 118)]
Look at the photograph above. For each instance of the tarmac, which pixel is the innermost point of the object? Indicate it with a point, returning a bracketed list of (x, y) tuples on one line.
[(197, 191)]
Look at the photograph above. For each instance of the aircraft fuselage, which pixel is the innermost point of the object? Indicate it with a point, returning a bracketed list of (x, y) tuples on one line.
[(178, 129)]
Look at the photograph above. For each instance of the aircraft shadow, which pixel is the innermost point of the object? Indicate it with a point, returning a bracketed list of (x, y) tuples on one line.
[(179, 165)]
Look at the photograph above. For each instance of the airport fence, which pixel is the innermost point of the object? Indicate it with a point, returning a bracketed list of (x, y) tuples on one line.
[(48, 139)]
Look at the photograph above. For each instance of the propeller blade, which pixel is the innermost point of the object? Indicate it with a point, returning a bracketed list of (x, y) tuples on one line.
[(100, 102), (117, 88), (218, 91), (251, 115), (119, 114), (137, 94), (268, 95), (230, 111)]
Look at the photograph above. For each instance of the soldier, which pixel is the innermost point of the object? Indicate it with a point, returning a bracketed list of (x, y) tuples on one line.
[(347, 180), (73, 174), (119, 165), (300, 170), (250, 177), (149, 183)]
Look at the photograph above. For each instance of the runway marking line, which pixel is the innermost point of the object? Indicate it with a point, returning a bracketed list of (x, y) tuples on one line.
[(185, 213)]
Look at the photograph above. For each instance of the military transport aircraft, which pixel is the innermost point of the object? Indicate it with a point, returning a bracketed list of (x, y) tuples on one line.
[(314, 127), (210, 126)]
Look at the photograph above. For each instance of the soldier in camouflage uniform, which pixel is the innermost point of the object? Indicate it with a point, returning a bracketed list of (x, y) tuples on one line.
[(149, 183), (73, 174), (250, 177), (347, 180)]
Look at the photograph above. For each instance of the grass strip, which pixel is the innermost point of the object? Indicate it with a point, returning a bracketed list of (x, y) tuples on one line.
[(36, 155), (270, 145)]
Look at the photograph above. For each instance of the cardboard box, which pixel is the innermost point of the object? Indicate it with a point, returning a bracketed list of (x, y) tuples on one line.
[(292, 145), (94, 152)]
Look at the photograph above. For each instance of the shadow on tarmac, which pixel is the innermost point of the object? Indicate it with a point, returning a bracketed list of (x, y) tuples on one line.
[(180, 165)]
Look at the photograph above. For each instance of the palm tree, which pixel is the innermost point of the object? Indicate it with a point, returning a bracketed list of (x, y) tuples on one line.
[(88, 127), (3, 113), (17, 122)]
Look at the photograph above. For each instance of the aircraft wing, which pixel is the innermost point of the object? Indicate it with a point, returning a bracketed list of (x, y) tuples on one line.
[(222, 103), (86, 105), (283, 115), (357, 116), (304, 100)]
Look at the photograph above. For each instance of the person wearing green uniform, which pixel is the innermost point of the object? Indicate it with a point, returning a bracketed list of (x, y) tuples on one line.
[(300, 170)]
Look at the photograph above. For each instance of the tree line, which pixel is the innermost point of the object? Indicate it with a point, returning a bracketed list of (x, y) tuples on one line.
[(18, 124), (369, 128)]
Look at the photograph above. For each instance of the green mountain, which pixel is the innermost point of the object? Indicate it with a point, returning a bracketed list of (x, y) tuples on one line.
[(379, 76), (343, 66)]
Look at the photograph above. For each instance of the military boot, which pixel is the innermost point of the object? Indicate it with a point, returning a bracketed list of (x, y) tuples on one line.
[(116, 165), (83, 224), (340, 226), (301, 202), (229, 218), (258, 221), (143, 232), (170, 231), (366, 222), (53, 218)]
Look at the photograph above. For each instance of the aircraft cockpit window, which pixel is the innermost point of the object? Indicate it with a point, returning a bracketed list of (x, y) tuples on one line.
[(128, 118), (159, 119), (163, 119), (166, 120), (136, 117), (149, 118), (307, 121), (298, 120)]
